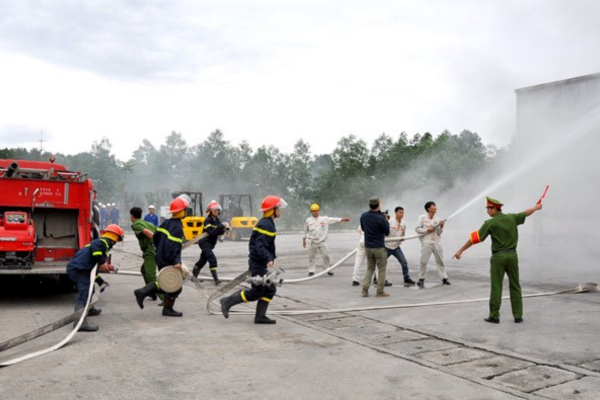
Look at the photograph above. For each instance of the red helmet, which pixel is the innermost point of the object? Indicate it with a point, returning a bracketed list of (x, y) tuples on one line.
[(114, 228), (213, 205), (178, 204), (271, 202)]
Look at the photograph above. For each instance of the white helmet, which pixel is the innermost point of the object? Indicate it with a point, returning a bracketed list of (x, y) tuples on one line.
[(212, 206)]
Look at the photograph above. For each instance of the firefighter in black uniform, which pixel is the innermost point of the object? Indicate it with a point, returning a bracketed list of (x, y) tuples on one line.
[(260, 260), (168, 240), (214, 228), (82, 264)]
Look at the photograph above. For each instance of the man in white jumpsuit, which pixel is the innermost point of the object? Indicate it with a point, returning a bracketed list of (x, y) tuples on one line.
[(316, 229), (359, 261), (431, 228)]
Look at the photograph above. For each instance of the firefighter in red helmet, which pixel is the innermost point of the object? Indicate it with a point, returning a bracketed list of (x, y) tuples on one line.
[(168, 240), (260, 260), (213, 228)]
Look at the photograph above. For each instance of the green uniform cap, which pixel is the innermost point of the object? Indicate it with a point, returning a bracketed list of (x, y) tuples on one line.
[(494, 202)]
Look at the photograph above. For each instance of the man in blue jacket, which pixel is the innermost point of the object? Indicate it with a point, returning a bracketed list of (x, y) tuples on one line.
[(151, 216), (168, 240), (83, 262), (375, 227), (260, 260)]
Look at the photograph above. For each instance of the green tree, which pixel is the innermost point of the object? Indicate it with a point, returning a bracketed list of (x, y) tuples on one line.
[(350, 157)]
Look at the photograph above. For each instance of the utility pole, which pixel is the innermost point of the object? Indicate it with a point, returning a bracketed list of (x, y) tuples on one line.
[(41, 142)]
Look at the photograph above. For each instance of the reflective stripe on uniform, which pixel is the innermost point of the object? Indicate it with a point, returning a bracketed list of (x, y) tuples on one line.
[(265, 299), (264, 232), (98, 253), (209, 226), (166, 232), (213, 269), (475, 237), (243, 296)]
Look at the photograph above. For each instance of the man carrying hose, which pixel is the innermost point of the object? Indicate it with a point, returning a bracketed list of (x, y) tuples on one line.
[(505, 236), (82, 264), (168, 240), (260, 261), (213, 228), (398, 230), (431, 228)]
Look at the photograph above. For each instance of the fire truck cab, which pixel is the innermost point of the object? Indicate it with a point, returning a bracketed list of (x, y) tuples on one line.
[(46, 214)]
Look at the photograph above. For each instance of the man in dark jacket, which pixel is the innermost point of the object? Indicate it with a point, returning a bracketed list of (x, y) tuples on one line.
[(260, 260), (375, 227), (83, 262), (168, 240), (213, 228)]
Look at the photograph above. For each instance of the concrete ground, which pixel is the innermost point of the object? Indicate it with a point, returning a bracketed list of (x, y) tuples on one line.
[(426, 352)]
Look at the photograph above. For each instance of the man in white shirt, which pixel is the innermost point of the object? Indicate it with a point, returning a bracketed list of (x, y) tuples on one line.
[(431, 228), (361, 258), (316, 229), (398, 230)]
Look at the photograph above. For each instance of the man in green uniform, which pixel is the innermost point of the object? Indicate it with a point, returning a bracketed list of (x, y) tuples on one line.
[(505, 236), (144, 231)]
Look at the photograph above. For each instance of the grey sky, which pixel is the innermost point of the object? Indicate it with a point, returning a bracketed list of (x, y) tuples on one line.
[(272, 72)]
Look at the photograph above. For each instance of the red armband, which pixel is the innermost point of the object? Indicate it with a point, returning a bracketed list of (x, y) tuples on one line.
[(475, 237)]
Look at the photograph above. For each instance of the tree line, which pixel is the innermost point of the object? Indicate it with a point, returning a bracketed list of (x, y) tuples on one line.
[(341, 182)]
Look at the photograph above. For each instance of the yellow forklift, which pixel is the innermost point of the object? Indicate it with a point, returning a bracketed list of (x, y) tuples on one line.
[(193, 222), (237, 211)]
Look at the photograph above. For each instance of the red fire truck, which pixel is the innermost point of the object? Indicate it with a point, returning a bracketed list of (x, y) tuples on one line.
[(46, 214)]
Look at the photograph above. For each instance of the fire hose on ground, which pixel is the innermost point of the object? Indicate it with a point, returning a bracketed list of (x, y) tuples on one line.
[(81, 314), (183, 275)]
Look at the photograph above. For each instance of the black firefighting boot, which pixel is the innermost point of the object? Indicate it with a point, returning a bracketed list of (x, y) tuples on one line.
[(147, 291), (261, 313), (85, 325), (168, 310), (196, 269), (230, 301), (93, 311), (213, 272)]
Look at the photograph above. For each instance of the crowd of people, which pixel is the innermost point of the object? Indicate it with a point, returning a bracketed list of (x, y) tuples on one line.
[(109, 214), (381, 236)]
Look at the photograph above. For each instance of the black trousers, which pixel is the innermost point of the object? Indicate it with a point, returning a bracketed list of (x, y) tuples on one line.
[(207, 255), (259, 292)]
